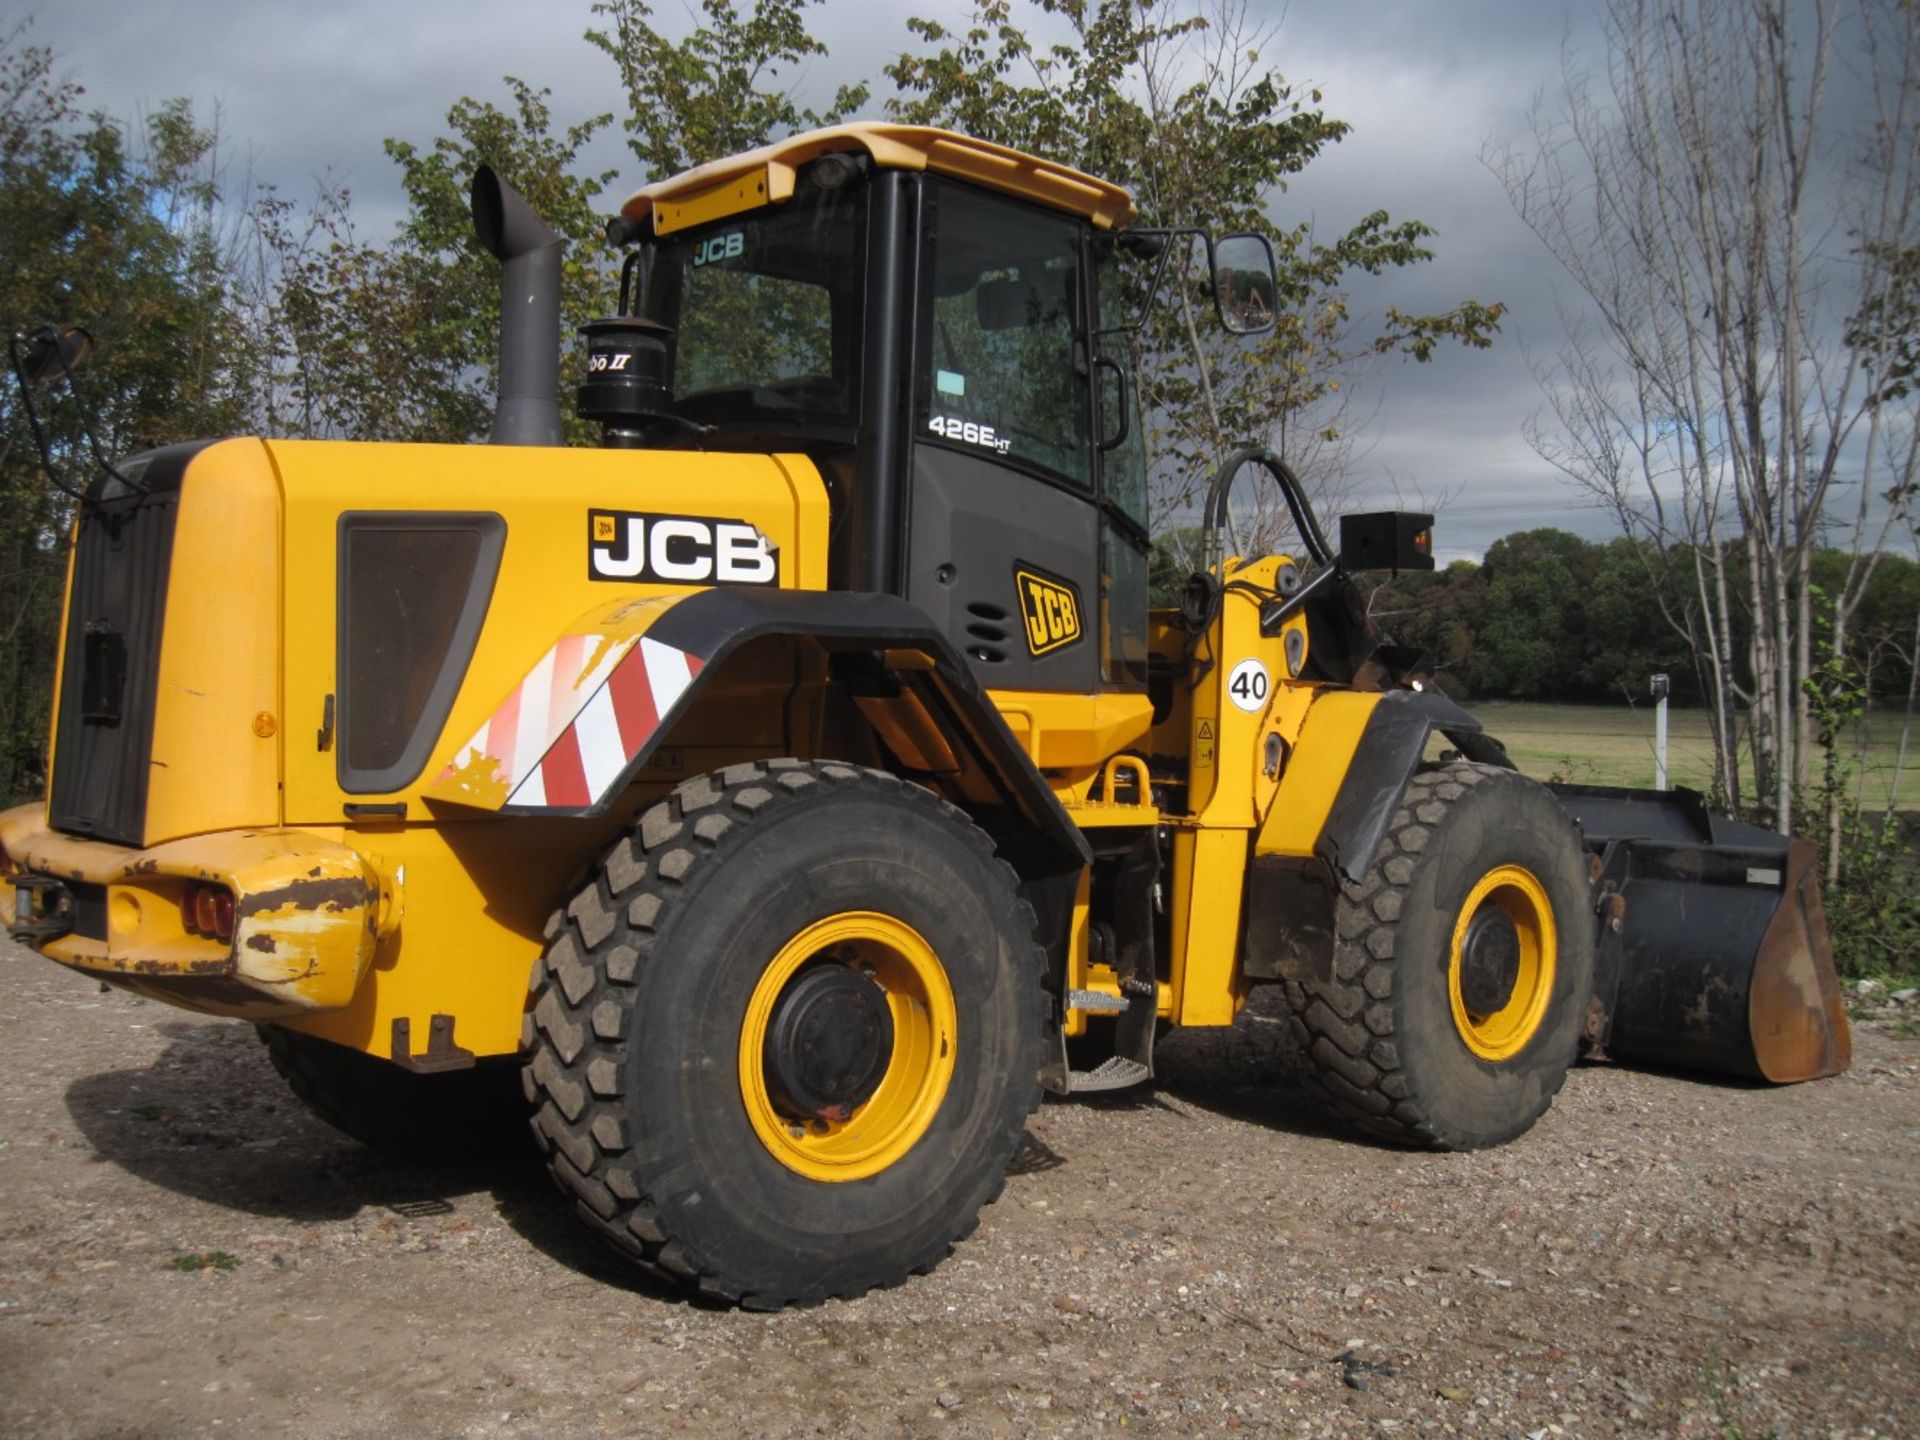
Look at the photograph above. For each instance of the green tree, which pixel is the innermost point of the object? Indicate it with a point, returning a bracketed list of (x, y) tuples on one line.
[(401, 341), (712, 94), (1439, 612), (1532, 620), (123, 228), (1180, 108)]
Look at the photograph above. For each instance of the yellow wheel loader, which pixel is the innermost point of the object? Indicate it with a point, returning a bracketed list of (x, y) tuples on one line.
[(791, 789)]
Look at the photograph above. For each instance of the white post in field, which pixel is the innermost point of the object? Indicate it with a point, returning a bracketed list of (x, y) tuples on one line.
[(1659, 732)]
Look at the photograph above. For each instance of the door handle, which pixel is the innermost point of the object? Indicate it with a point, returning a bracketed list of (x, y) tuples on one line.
[(1107, 362)]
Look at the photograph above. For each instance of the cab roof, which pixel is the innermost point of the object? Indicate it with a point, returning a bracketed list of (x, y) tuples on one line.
[(766, 175)]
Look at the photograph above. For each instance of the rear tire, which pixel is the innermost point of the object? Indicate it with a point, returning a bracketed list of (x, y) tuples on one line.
[(1461, 968), (755, 921), (456, 1115)]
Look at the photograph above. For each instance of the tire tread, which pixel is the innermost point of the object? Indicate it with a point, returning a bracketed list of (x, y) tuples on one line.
[(577, 1055), (1339, 1022)]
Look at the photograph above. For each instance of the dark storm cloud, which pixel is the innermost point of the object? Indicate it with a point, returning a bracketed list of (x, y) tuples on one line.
[(311, 90), (308, 90), (1427, 87)]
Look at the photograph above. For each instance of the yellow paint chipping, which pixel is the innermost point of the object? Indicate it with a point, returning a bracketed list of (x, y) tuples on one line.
[(477, 778)]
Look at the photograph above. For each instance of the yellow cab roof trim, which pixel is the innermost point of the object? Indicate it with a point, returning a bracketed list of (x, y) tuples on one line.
[(766, 176)]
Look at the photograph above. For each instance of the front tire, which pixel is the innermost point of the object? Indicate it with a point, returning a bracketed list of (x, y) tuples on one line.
[(1461, 969), (783, 1044)]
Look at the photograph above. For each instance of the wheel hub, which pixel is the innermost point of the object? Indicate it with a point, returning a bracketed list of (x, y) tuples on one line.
[(1489, 961), (829, 1041)]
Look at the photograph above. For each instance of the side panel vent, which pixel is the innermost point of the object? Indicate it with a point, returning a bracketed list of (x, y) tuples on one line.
[(987, 632), (414, 588)]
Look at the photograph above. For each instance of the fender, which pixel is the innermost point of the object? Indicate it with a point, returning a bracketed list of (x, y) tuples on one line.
[(641, 663), (1321, 828), (1383, 763), (1373, 744)]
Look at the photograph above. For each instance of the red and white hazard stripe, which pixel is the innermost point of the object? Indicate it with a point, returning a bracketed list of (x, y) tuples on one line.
[(620, 716), (565, 734)]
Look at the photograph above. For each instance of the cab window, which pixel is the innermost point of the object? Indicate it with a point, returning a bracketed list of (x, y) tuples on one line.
[(1007, 371), (766, 310)]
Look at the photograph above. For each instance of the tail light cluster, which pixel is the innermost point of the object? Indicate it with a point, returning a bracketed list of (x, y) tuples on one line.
[(208, 910)]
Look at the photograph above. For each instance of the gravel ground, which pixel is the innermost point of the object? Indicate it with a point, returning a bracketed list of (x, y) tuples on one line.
[(1660, 1256)]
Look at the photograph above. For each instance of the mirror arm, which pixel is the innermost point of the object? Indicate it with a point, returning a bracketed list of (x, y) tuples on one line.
[(33, 422), (1165, 258), (627, 268), (1153, 290), (86, 428)]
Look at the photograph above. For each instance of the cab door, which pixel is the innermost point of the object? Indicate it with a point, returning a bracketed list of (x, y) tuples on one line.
[(1004, 520), (1120, 453)]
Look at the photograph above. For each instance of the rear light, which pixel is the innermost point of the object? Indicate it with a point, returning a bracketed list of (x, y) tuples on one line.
[(208, 910)]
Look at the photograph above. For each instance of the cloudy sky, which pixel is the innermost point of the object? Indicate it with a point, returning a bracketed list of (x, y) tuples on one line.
[(307, 89)]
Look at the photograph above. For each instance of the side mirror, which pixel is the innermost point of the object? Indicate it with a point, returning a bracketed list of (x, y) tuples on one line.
[(50, 351), (1244, 287)]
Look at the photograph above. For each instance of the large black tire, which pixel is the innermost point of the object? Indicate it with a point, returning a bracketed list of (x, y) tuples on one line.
[(1394, 1044), (455, 1115), (641, 1025)]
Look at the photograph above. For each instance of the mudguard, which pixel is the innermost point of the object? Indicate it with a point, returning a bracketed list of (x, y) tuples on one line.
[(1382, 763), (1351, 765), (593, 710)]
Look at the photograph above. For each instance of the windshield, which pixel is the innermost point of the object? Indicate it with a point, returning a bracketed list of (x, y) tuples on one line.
[(765, 310)]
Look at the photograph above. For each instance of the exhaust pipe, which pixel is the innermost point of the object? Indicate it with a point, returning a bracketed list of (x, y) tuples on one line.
[(528, 409)]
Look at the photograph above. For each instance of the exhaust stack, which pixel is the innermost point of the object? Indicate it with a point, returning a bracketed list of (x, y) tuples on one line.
[(528, 409)]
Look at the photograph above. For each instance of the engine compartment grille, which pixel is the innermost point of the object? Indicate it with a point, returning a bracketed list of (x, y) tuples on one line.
[(103, 724)]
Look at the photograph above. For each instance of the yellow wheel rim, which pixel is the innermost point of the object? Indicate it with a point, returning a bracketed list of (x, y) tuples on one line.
[(1500, 1025), (886, 1125)]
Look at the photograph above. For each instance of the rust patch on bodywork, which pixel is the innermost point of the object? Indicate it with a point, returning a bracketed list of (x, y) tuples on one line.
[(309, 913), (181, 967), (1796, 1018), (313, 968), (344, 893)]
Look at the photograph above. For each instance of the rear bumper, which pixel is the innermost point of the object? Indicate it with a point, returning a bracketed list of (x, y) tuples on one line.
[(308, 913)]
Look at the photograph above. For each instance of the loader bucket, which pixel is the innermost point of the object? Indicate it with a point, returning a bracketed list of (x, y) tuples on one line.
[(1713, 951)]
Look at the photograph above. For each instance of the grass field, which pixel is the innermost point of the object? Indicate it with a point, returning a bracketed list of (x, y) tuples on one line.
[(1613, 745)]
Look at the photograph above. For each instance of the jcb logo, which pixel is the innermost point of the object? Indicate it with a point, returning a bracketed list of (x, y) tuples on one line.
[(720, 247), (1051, 609), (678, 550)]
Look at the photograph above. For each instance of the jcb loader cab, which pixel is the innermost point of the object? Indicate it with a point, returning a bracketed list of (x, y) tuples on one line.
[(793, 787)]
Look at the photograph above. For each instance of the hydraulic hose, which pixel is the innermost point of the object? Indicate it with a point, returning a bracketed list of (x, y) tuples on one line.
[(1215, 514)]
